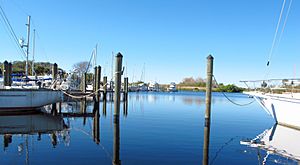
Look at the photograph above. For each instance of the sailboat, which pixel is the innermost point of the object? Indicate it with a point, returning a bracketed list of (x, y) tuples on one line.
[(24, 98), (282, 101)]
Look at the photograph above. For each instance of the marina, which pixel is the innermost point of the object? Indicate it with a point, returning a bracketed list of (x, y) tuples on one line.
[(88, 100)]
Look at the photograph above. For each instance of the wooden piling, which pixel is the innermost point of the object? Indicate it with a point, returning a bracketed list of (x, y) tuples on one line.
[(9, 74), (54, 72), (95, 79), (5, 74), (118, 73), (125, 88), (104, 87), (98, 82), (205, 159), (83, 82)]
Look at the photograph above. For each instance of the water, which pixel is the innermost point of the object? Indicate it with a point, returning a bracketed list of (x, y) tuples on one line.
[(157, 128)]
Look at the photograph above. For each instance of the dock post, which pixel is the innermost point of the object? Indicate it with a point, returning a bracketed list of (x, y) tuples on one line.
[(83, 83), (104, 87), (118, 73), (205, 158), (125, 88), (9, 74), (95, 79), (116, 140), (98, 82), (5, 74), (54, 72)]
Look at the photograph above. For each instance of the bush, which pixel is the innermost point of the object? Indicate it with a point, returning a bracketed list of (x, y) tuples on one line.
[(229, 88)]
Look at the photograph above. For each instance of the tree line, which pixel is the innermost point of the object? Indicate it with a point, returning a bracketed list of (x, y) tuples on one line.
[(200, 82), (40, 68)]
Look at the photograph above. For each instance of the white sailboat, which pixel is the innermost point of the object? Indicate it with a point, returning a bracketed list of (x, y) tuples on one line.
[(26, 99), (282, 102), (283, 107), (23, 98)]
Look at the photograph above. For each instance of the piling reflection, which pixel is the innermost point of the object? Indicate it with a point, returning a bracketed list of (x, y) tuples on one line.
[(205, 159), (104, 108), (125, 109), (116, 141), (96, 123)]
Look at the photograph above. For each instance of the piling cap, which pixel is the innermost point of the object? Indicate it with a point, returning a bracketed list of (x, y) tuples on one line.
[(119, 55), (210, 57)]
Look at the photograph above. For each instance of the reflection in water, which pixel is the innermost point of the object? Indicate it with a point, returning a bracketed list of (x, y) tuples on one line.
[(278, 140), (205, 158), (173, 97), (116, 145), (125, 108), (96, 123), (29, 124), (104, 108)]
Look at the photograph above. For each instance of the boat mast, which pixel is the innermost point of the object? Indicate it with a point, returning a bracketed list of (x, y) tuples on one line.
[(95, 55), (33, 52), (27, 46)]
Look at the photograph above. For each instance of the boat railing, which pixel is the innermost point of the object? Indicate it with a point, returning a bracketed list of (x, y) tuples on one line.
[(279, 86)]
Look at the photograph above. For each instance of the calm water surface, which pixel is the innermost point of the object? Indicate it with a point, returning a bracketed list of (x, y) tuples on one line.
[(156, 128)]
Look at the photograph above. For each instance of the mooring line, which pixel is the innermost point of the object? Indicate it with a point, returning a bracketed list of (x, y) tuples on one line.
[(238, 104), (84, 96)]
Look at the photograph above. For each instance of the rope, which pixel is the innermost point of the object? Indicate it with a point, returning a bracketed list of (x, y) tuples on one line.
[(84, 96), (238, 104), (276, 32)]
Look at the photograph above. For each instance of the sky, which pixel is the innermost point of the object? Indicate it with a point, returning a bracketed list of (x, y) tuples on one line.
[(169, 38)]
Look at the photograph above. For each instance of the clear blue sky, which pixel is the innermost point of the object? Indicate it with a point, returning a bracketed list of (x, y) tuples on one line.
[(172, 37)]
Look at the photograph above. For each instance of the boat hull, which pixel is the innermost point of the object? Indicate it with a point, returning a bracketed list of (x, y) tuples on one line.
[(284, 108), (22, 99)]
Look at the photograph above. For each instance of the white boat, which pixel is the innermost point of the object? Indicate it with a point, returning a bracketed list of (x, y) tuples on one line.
[(172, 87), (23, 99), (142, 87), (283, 106), (279, 140), (153, 86)]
